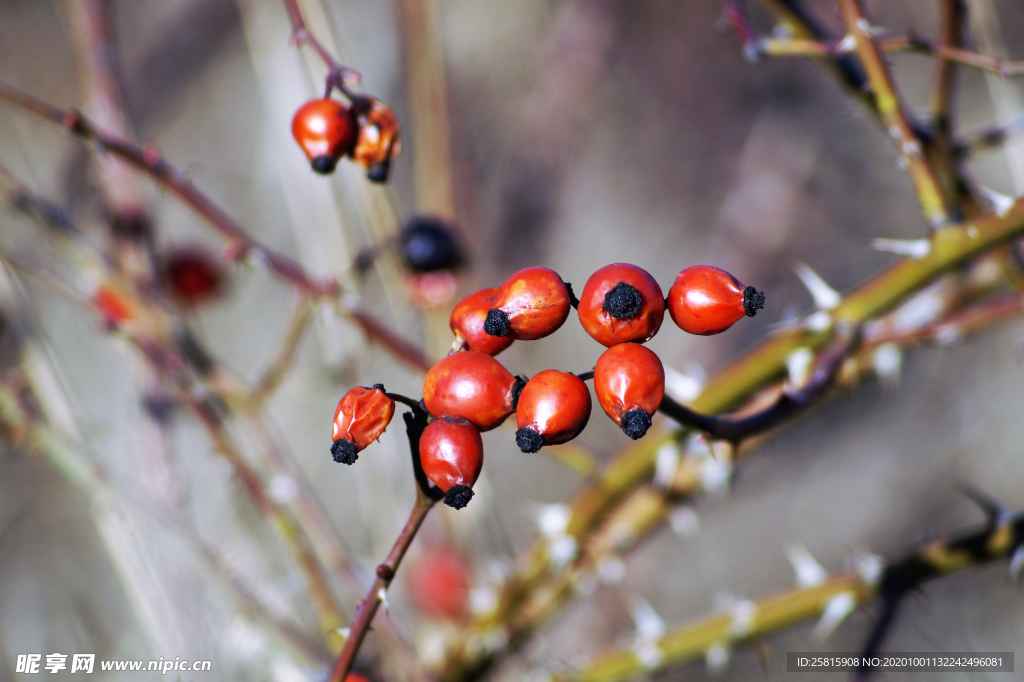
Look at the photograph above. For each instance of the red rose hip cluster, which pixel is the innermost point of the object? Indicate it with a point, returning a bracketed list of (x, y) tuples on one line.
[(366, 131), (469, 392)]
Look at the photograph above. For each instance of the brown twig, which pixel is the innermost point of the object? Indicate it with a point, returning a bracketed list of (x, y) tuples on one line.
[(426, 498), (338, 75), (150, 162)]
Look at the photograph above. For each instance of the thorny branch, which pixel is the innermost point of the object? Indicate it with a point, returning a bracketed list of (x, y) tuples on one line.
[(872, 577), (338, 75)]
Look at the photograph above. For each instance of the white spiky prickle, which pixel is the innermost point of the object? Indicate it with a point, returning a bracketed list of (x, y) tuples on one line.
[(552, 519), (825, 297), (683, 386), (666, 464), (798, 366), (649, 625), (1017, 564), (717, 658), (870, 568), (847, 44), (913, 248), (888, 361), (836, 610), (808, 571), (743, 612), (1001, 203)]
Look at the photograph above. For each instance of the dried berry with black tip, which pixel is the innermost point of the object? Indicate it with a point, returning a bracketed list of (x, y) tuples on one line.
[(621, 303), (471, 385), (377, 141), (191, 275), (326, 131), (531, 304), (452, 454), (554, 407), (707, 300), (361, 417), (629, 381)]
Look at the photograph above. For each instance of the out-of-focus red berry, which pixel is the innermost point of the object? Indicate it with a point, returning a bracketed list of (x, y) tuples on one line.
[(191, 275), (361, 417), (621, 303), (113, 304), (531, 304), (377, 141), (629, 381), (452, 454), (439, 582), (707, 300), (467, 323), (473, 386), (326, 131)]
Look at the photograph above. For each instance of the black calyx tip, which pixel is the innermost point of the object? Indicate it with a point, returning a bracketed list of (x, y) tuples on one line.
[(379, 173), (529, 440), (497, 323), (517, 390), (635, 423), (458, 496), (324, 165), (344, 452), (379, 386), (753, 300), (573, 301), (622, 301), (429, 244)]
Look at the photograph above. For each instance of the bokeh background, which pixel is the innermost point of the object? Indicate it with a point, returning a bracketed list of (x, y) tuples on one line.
[(580, 133)]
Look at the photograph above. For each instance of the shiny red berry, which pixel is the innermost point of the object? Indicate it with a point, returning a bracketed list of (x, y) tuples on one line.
[(191, 275), (707, 300), (473, 386), (326, 131), (439, 582), (362, 416), (621, 303), (451, 454), (629, 381), (554, 407), (467, 323), (530, 304), (377, 141)]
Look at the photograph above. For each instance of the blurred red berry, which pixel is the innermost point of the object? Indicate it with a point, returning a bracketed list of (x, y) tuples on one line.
[(707, 300), (191, 275), (439, 582), (326, 131)]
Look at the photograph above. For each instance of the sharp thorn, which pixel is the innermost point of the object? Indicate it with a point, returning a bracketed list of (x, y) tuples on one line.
[(825, 297)]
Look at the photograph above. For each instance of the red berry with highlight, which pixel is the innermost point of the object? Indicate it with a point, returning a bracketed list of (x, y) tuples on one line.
[(707, 300), (326, 131), (467, 323), (361, 417), (191, 275), (530, 304), (621, 303), (629, 381), (554, 407), (452, 454), (473, 386)]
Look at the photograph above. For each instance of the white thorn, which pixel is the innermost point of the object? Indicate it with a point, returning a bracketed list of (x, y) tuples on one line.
[(825, 297), (611, 570), (344, 632), (715, 474), (837, 608), (684, 522), (649, 625), (1017, 564), (914, 248), (561, 550), (818, 321), (681, 387), (667, 463), (888, 360), (649, 654), (483, 600), (847, 44), (1001, 203), (743, 613), (808, 571), (717, 658), (382, 597), (798, 364), (552, 519), (870, 567)]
